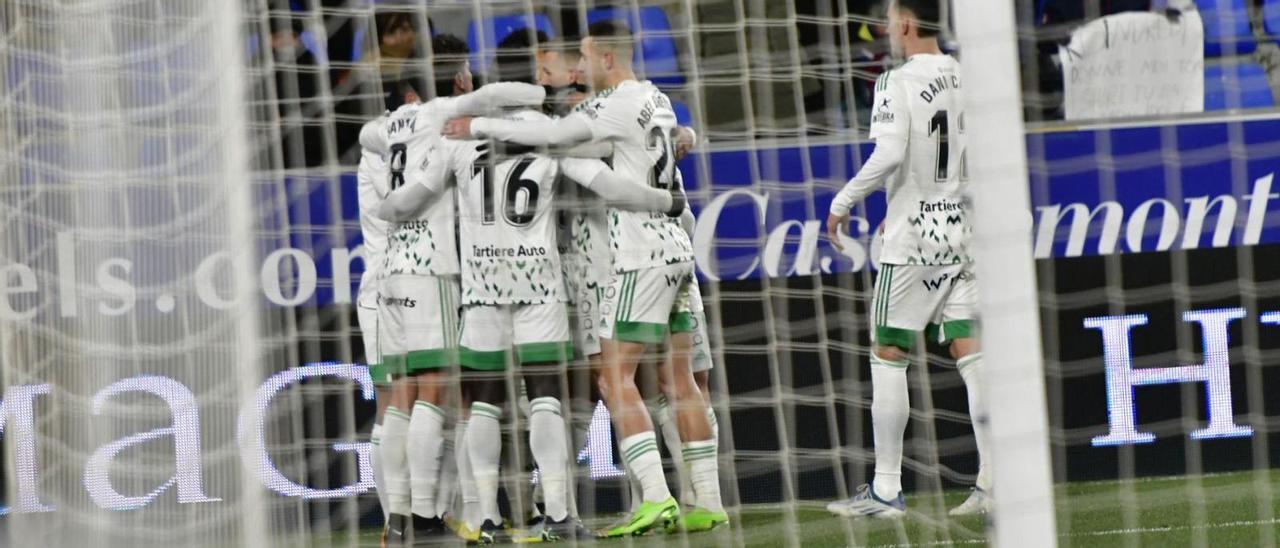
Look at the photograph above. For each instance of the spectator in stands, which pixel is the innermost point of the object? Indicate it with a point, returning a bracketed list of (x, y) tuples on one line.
[(363, 92), (296, 86)]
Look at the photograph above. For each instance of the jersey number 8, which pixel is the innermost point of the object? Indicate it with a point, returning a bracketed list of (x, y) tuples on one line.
[(399, 157)]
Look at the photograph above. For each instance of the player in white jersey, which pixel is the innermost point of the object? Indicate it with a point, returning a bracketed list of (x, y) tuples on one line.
[(652, 261), (371, 188), (514, 299), (925, 283), (419, 293)]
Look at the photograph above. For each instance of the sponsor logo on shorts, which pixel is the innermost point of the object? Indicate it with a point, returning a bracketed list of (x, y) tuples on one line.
[(404, 302), (938, 282), (674, 280)]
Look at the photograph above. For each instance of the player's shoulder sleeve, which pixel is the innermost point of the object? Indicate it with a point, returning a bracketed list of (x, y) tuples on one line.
[(615, 115), (582, 170), (372, 136), (890, 112)]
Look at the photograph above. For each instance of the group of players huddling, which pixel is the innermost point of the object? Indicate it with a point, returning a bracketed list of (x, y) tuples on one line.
[(540, 227), (459, 199)]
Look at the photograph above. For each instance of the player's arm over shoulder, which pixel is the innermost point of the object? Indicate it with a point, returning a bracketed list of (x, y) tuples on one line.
[(425, 181)]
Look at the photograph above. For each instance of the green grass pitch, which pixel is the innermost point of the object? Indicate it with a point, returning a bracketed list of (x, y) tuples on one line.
[(1238, 509)]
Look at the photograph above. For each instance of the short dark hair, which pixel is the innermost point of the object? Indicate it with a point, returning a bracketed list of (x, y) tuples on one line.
[(394, 92), (448, 58), (927, 15), (612, 33), (387, 21), (516, 60)]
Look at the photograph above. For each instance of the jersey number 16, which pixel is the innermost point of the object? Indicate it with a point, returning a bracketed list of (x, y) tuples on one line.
[(514, 185)]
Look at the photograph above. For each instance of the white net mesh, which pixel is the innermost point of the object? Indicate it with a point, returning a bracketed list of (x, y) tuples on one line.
[(125, 348), (153, 147)]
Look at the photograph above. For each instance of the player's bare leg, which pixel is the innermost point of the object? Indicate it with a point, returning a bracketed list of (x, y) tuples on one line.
[(596, 362), (968, 358), (703, 379), (666, 422), (639, 445), (698, 450)]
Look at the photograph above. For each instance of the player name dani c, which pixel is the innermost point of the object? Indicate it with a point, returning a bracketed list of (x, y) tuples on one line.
[(938, 85)]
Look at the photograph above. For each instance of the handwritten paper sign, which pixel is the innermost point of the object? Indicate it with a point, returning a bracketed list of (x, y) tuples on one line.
[(1134, 64)]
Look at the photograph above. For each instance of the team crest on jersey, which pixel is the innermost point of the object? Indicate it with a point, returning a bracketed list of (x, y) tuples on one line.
[(883, 115)]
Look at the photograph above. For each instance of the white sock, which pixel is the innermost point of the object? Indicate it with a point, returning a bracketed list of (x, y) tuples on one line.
[(484, 445), (664, 417), (641, 453), (379, 479), (890, 411), (426, 438), (704, 468), (633, 483), (971, 371), (395, 460), (466, 480), (448, 485), (551, 451)]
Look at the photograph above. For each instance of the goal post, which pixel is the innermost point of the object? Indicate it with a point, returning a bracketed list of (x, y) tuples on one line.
[(1008, 302)]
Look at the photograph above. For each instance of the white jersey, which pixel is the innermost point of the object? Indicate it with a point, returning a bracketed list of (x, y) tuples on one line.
[(372, 187), (425, 246), (637, 118), (588, 228), (506, 219), (922, 102)]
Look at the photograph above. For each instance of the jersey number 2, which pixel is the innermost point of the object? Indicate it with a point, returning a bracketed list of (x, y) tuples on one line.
[(939, 124), (663, 174)]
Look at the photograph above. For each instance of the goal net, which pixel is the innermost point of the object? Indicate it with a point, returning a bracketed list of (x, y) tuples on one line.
[(181, 252)]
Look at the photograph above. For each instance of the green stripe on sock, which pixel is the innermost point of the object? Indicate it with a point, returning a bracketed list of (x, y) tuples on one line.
[(430, 407), (639, 452), (397, 412), (640, 449), (962, 362), (486, 410), (698, 455)]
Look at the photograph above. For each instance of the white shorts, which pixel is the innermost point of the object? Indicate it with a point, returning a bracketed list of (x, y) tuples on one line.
[(586, 315), (418, 322), (702, 360), (640, 306), (539, 333), (584, 305), (939, 300), (367, 318), (690, 303)]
